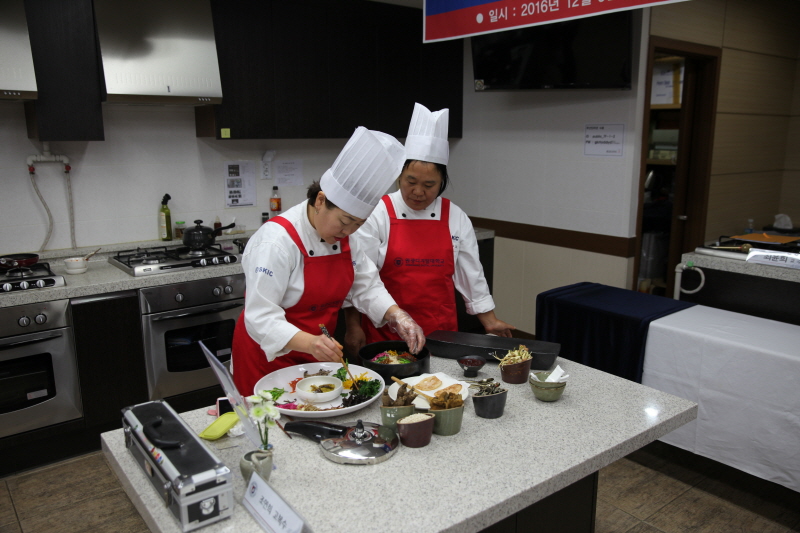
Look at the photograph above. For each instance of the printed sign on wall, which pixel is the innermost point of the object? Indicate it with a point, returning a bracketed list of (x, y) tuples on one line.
[(453, 19)]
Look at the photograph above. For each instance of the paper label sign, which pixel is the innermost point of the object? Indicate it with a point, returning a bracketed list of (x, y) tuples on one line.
[(268, 508), (767, 257)]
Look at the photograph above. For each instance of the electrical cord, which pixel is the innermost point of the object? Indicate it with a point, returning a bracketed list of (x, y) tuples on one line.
[(46, 208), (71, 209)]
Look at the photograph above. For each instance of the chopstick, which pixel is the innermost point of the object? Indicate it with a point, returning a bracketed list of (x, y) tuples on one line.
[(344, 363), (280, 426), (401, 382)]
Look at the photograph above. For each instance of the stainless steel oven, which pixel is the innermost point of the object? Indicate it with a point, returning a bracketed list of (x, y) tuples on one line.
[(174, 318), (39, 383)]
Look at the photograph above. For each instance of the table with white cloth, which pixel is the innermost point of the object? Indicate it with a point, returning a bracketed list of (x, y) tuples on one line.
[(744, 373)]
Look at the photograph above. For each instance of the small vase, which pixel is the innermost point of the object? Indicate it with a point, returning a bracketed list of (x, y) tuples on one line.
[(258, 461), (491, 406), (516, 373)]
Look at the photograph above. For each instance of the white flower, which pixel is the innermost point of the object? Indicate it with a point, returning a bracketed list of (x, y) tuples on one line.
[(254, 399), (272, 411), (265, 394), (258, 412)]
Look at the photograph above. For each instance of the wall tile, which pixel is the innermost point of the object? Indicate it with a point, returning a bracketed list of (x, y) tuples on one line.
[(749, 143), (698, 21), (790, 196), (793, 145), (733, 198), (755, 83), (766, 26)]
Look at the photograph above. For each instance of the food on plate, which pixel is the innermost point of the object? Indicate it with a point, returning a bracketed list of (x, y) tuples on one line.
[(392, 357), (341, 375), (417, 417), (361, 379), (404, 397), (448, 400), (429, 383), (275, 393), (325, 387), (455, 388), (515, 356)]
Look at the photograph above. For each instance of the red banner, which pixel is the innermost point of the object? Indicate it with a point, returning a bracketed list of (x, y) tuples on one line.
[(453, 19)]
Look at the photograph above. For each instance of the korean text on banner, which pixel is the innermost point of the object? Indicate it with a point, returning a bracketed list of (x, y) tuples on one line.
[(453, 19)]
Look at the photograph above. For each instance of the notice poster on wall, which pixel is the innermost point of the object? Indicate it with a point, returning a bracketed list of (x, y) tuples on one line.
[(604, 139), (453, 19), (240, 183)]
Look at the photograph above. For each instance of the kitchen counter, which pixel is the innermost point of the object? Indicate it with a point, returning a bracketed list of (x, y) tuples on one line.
[(103, 277), (487, 472), (739, 266)]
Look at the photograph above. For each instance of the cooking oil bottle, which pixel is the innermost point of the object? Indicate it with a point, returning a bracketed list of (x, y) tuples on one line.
[(165, 220)]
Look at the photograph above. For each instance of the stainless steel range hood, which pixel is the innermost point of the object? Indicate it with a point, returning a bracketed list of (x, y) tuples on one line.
[(17, 77), (158, 52)]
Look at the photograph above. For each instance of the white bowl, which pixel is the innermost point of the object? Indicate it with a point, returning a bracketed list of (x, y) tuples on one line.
[(76, 270), (303, 389), (76, 265)]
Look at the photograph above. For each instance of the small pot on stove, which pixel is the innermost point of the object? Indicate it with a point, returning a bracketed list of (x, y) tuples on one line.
[(200, 237)]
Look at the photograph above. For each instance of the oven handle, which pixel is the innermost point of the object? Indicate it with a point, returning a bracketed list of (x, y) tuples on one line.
[(17, 344), (198, 313)]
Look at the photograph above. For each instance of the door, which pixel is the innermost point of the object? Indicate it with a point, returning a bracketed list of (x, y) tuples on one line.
[(676, 158)]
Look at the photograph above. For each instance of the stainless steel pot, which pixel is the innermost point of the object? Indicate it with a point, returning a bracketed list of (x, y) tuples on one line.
[(200, 237)]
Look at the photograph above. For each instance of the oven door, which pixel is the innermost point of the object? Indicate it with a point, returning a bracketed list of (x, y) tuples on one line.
[(175, 363), (38, 381)]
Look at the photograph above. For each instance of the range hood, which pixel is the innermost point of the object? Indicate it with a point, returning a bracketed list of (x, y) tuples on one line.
[(158, 52), (17, 77)]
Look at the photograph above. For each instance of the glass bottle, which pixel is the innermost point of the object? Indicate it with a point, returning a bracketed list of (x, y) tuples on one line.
[(165, 220), (217, 223), (749, 228), (275, 201)]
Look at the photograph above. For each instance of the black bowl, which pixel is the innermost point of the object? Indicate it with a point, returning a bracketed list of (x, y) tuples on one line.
[(470, 364), (455, 344), (421, 366)]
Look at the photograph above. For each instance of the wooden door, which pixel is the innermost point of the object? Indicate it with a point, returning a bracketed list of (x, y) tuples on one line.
[(676, 162)]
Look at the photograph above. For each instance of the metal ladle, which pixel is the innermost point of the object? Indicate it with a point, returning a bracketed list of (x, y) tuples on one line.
[(86, 258)]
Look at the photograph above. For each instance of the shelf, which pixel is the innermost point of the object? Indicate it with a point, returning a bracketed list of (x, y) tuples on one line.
[(664, 106), (661, 162)]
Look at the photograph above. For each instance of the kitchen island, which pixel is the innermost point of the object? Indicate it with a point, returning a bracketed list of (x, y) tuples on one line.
[(484, 475)]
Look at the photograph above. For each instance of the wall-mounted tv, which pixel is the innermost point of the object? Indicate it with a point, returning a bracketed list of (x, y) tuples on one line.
[(587, 53)]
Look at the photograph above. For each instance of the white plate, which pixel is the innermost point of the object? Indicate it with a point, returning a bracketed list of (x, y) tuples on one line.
[(421, 402), (284, 376)]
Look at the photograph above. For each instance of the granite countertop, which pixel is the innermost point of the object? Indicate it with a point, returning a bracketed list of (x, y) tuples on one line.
[(461, 483), (103, 277), (740, 266)]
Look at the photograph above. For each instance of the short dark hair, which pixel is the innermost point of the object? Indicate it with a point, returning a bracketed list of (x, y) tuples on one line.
[(313, 191), (442, 172)]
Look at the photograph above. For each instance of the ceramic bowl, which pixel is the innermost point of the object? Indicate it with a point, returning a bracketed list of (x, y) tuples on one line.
[(391, 414), (304, 391), (544, 390), (416, 434), (470, 364), (421, 366), (76, 265), (516, 373), (447, 421)]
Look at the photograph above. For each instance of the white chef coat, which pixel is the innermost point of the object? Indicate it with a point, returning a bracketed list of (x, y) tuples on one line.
[(468, 278), (273, 268)]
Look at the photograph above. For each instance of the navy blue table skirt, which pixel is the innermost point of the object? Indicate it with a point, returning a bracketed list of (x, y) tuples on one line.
[(600, 326)]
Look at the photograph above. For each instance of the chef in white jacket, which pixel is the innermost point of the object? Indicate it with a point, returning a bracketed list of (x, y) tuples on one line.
[(300, 266), (423, 244)]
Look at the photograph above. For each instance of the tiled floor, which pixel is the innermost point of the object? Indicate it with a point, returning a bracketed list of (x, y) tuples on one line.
[(656, 489)]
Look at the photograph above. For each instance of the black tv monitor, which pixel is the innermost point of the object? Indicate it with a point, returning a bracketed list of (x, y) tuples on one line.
[(587, 53)]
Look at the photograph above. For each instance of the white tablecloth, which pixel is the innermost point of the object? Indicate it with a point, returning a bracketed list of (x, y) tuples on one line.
[(744, 372)]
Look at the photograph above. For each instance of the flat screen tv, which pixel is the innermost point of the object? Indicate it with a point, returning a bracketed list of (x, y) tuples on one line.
[(586, 53)]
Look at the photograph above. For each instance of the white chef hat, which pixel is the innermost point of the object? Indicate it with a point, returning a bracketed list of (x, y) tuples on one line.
[(427, 135), (363, 171)]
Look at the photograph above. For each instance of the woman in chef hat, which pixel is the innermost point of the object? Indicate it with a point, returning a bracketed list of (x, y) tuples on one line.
[(301, 265), (423, 244)]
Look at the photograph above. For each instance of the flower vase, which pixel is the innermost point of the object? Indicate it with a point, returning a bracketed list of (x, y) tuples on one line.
[(258, 461)]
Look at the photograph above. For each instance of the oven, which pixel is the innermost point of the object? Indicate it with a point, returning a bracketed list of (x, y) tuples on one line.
[(175, 318), (38, 369)]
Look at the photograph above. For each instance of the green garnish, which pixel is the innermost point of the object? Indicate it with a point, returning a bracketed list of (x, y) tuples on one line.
[(341, 374), (369, 388), (276, 393)]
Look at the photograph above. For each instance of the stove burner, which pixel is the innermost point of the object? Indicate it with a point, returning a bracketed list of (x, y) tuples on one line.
[(197, 253), (20, 272), (152, 260)]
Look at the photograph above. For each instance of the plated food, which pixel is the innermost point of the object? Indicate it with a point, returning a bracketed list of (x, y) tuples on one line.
[(393, 357), (283, 384), (446, 382)]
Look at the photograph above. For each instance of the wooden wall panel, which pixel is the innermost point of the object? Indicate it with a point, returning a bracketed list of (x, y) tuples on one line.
[(749, 143), (734, 198), (796, 93), (766, 26), (790, 196), (793, 145), (755, 83), (698, 21)]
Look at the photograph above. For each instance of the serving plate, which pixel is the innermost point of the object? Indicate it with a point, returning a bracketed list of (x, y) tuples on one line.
[(419, 401), (283, 377)]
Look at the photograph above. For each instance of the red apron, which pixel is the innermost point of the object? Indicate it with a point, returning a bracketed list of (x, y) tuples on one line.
[(418, 273), (327, 280)]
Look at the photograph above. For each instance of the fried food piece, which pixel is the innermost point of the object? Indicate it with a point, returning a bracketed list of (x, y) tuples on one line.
[(455, 388), (429, 383), (448, 400)]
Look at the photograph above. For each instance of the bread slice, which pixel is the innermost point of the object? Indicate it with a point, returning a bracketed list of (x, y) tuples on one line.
[(429, 383), (455, 388)]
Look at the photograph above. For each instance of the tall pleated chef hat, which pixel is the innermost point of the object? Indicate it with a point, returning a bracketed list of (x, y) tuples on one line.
[(427, 135), (363, 171)]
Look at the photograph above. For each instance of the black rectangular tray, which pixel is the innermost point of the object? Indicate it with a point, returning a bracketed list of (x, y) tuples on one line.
[(454, 344)]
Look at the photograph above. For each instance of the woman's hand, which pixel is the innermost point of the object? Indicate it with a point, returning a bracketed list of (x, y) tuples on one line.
[(494, 325), (401, 323), (319, 347)]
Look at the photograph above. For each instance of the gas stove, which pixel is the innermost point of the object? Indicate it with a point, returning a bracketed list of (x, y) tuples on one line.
[(36, 276), (161, 259), (738, 247)]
